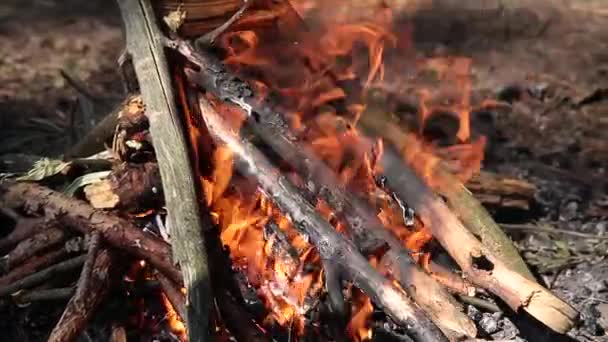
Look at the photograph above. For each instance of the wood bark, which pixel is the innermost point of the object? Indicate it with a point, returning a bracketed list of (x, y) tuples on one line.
[(185, 218), (81, 217), (330, 244), (498, 191)]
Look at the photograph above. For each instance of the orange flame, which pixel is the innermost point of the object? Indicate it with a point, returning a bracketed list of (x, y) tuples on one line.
[(322, 76)]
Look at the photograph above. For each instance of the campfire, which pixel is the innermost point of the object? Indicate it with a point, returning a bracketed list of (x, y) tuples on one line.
[(295, 171)]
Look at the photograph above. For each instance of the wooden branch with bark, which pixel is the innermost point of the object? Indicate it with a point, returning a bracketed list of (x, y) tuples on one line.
[(185, 218), (80, 216)]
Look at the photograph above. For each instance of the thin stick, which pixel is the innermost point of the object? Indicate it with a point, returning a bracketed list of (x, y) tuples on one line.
[(42, 276), (82, 306), (85, 276), (32, 246), (63, 293), (185, 217), (480, 303), (24, 228), (32, 266), (173, 294), (330, 244), (80, 216)]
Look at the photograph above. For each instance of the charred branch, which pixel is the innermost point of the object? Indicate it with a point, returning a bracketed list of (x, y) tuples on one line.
[(330, 244), (472, 214), (238, 321), (185, 218), (81, 217), (477, 261)]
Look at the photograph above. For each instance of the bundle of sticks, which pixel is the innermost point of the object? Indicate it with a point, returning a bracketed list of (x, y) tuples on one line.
[(423, 303)]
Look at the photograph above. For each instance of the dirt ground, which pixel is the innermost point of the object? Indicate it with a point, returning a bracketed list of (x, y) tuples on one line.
[(550, 62)]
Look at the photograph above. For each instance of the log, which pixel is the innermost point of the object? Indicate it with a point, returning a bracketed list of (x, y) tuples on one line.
[(330, 244), (130, 187), (185, 218), (81, 217), (84, 303), (368, 231), (476, 259)]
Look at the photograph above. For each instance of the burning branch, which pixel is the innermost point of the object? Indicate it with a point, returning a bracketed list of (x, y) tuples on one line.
[(144, 43), (474, 217), (367, 230), (478, 262), (330, 244)]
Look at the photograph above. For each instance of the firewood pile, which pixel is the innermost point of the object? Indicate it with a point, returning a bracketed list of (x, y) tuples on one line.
[(260, 183)]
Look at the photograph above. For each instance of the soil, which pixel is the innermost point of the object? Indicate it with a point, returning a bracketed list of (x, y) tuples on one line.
[(548, 62)]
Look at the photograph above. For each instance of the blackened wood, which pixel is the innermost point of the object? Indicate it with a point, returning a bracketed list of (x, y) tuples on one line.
[(81, 217), (43, 275), (84, 303), (240, 323), (329, 243), (144, 43)]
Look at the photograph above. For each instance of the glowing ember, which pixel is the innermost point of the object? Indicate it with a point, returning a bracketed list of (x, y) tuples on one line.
[(175, 324)]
